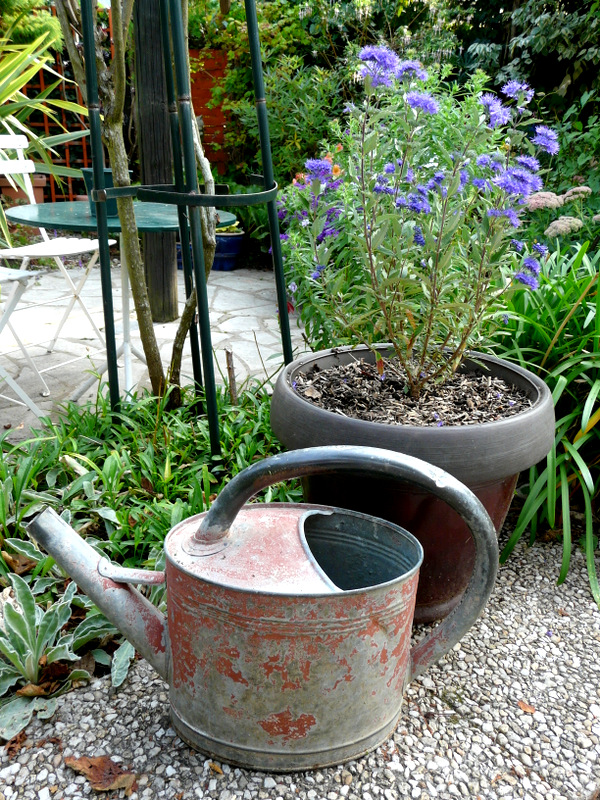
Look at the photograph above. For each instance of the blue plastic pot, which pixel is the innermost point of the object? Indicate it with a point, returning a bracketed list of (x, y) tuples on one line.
[(229, 247)]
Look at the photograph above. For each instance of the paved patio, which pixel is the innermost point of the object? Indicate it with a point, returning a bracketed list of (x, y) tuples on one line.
[(243, 313)]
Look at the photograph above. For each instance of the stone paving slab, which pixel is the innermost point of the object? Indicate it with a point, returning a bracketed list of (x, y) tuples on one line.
[(243, 312)]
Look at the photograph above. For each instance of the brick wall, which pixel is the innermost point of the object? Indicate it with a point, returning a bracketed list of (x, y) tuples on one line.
[(206, 67)]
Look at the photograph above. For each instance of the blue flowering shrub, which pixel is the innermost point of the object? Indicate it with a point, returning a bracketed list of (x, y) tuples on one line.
[(405, 231)]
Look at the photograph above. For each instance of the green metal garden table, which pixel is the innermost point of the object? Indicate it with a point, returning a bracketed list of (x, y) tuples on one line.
[(76, 216)]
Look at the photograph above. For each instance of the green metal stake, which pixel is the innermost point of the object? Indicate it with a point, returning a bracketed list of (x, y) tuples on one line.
[(189, 160), (91, 77), (179, 185), (269, 181)]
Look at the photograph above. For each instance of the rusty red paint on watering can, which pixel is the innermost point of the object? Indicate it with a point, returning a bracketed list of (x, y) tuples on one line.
[(287, 643)]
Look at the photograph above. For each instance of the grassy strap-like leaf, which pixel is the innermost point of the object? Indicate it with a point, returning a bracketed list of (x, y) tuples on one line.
[(591, 423), (551, 497), (583, 467), (524, 521), (566, 517), (589, 546), (566, 320)]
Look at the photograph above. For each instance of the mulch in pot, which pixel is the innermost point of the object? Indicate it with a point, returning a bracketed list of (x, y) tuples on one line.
[(357, 390)]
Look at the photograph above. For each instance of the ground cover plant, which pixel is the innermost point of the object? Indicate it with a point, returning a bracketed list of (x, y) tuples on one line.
[(122, 481), (555, 332)]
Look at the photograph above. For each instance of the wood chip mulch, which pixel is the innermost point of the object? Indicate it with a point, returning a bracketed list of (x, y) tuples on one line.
[(357, 390)]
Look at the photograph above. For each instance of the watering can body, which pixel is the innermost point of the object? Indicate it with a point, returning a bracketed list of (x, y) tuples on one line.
[(287, 642)]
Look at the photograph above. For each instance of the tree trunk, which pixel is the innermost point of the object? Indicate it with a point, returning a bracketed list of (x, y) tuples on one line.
[(113, 134), (156, 155)]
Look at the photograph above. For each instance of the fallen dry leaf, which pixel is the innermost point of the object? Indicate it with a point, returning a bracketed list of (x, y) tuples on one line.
[(14, 745), (103, 773), (562, 612), (526, 707), (146, 485), (215, 767), (31, 690), (50, 740), (18, 563)]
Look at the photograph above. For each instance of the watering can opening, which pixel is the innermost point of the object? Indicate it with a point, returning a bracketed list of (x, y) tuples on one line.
[(356, 551)]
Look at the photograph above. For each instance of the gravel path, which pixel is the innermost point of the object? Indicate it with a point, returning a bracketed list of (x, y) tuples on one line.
[(512, 712)]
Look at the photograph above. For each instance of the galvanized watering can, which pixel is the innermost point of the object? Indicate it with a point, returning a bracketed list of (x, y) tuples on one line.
[(287, 643)]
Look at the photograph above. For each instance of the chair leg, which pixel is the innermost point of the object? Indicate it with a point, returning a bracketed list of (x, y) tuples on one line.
[(46, 391), (25, 399), (13, 299), (76, 297)]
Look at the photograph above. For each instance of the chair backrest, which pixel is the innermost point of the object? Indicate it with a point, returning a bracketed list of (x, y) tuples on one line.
[(12, 145)]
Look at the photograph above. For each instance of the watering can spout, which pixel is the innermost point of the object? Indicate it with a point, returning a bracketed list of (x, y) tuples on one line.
[(137, 619)]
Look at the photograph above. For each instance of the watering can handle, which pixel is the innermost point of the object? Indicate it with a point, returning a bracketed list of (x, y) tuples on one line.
[(386, 464)]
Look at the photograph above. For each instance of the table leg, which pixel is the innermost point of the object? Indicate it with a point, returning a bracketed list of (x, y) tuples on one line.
[(126, 321)]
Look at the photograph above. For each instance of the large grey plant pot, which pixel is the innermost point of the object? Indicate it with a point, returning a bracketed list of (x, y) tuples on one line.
[(486, 457)]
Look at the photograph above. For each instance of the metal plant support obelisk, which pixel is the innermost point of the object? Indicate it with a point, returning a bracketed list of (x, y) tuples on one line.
[(186, 194)]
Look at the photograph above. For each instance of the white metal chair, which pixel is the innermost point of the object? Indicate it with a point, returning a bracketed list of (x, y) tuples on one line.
[(13, 162)]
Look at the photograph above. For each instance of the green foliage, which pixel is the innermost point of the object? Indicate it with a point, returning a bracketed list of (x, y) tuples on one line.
[(302, 101), (26, 20), (304, 49), (555, 331), (579, 133), (552, 45), (124, 480), (406, 238)]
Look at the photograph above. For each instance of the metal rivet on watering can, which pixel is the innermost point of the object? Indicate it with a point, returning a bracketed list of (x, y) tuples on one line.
[(287, 639)]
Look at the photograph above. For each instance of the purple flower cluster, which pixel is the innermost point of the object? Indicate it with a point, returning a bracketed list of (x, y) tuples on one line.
[(419, 239), (317, 273), (415, 201), (547, 139), (318, 169), (528, 162), (423, 102), (529, 274), (410, 68), (328, 230), (383, 66), (508, 213), (380, 65), (516, 90), (518, 181), (499, 114)]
